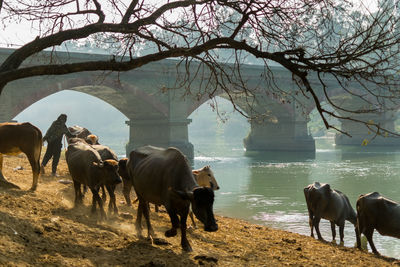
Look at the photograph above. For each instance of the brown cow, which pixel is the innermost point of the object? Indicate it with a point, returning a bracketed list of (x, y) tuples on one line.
[(16, 138), (106, 153), (86, 167)]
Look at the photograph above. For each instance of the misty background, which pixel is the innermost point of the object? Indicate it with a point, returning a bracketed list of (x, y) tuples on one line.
[(225, 130), (109, 124)]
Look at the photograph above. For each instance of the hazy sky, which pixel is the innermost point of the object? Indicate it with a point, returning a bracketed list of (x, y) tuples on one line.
[(17, 34)]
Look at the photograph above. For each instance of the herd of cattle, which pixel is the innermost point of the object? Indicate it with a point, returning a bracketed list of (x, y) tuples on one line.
[(164, 177)]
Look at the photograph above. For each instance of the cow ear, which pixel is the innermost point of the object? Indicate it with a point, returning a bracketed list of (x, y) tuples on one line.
[(195, 172), (186, 195)]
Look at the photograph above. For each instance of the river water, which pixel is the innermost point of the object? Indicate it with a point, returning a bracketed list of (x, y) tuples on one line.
[(267, 188)]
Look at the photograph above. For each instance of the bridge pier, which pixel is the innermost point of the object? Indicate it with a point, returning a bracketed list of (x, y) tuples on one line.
[(287, 134), (360, 132), (161, 133)]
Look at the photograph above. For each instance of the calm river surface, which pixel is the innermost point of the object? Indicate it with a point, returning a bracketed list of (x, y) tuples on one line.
[(267, 188)]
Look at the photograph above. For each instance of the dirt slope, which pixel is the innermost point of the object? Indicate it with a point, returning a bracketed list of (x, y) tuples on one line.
[(43, 228)]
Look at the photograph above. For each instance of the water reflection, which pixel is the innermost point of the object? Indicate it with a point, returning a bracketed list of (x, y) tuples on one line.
[(267, 188), (278, 156)]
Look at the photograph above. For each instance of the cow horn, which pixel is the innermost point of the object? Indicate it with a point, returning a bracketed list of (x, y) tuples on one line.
[(98, 164)]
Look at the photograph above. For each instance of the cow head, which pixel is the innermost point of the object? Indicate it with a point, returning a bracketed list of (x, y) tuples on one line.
[(92, 139), (202, 199), (122, 169), (205, 177), (109, 172)]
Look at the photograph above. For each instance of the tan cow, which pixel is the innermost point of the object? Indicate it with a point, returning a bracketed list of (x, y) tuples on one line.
[(205, 177), (16, 138)]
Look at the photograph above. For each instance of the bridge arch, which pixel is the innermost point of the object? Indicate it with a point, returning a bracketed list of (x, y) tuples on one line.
[(111, 92), (225, 130), (107, 122)]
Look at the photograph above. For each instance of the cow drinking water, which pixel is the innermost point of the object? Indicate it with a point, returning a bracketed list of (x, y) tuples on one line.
[(165, 178), (330, 204), (375, 211)]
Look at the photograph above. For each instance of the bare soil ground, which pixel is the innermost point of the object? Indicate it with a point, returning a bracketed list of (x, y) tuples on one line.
[(43, 228)]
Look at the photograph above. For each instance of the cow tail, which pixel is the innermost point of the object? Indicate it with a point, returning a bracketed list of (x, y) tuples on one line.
[(38, 150), (359, 225)]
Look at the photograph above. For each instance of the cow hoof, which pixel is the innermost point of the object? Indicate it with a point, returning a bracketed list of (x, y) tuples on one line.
[(170, 232), (187, 248)]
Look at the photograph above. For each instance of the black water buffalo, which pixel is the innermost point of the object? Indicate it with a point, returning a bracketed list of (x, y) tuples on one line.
[(204, 176), (86, 167), (126, 172), (165, 178), (107, 154), (375, 211), (330, 204)]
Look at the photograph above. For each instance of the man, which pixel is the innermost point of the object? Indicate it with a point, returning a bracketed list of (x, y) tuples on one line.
[(53, 137)]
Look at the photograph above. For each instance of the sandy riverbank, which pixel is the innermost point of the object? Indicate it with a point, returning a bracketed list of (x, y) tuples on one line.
[(43, 228)]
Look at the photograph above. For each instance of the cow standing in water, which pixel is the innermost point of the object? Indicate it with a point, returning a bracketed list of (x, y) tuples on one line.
[(375, 211), (165, 178), (330, 204), (16, 138)]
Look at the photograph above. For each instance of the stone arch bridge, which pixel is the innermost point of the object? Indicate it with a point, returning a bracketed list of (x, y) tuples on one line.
[(160, 117)]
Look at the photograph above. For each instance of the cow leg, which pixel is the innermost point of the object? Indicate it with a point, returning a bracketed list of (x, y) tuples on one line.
[(316, 225), (310, 222), (358, 230), (103, 194), (97, 198), (192, 218), (126, 190), (333, 231), (35, 165), (78, 193), (341, 233), (112, 206), (138, 222), (3, 181), (175, 223), (368, 234), (1, 162), (146, 213), (184, 242)]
